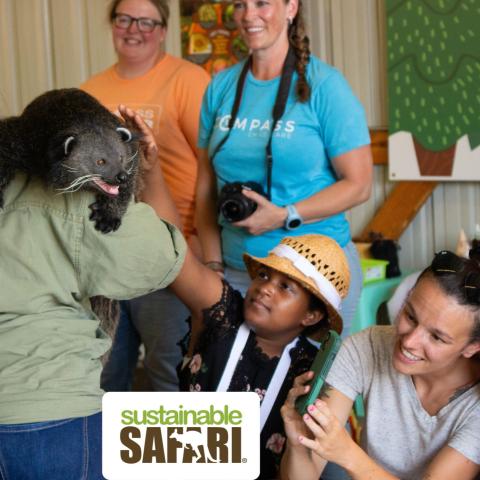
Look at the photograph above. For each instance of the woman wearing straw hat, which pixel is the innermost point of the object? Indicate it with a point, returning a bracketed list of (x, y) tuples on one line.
[(259, 343), (420, 380)]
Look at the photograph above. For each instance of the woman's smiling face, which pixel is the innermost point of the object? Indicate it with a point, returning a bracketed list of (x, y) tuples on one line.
[(433, 331), (133, 45), (264, 23)]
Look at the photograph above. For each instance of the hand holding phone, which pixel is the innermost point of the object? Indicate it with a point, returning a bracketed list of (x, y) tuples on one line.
[(321, 365)]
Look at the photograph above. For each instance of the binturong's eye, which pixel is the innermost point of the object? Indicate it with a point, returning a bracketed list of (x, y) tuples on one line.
[(68, 145), (125, 134)]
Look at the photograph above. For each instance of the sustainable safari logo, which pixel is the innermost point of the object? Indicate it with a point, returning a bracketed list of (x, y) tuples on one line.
[(188, 435), (167, 439)]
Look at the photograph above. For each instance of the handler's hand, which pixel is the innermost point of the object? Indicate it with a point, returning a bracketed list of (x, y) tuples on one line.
[(147, 140), (293, 422), (266, 217), (331, 440)]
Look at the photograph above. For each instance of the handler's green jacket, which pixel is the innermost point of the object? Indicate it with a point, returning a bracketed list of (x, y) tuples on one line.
[(51, 261)]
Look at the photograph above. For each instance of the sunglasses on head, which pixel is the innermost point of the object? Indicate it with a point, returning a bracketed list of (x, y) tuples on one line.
[(447, 263)]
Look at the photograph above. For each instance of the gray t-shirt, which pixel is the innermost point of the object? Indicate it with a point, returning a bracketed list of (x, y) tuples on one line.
[(398, 433)]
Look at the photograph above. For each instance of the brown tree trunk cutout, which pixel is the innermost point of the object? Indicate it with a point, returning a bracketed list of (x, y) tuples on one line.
[(438, 164)]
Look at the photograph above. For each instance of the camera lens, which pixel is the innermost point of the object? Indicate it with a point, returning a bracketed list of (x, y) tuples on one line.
[(233, 210), (233, 205)]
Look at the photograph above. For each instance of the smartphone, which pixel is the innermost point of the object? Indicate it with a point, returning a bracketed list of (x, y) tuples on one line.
[(321, 365)]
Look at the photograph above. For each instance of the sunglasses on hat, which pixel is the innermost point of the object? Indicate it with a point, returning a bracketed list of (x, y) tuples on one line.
[(447, 263)]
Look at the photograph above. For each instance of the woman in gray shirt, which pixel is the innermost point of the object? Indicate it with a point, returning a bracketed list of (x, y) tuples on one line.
[(420, 382)]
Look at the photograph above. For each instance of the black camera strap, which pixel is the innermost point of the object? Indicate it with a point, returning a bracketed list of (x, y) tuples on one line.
[(236, 104), (278, 108)]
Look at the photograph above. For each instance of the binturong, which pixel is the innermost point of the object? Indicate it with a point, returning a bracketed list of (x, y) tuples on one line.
[(70, 141)]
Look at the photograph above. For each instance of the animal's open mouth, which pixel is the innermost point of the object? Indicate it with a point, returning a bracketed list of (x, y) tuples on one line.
[(106, 187)]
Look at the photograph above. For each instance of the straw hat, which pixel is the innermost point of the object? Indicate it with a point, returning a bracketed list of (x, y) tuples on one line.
[(317, 263)]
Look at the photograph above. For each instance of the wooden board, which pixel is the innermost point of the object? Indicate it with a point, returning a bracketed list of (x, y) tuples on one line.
[(379, 139), (398, 210)]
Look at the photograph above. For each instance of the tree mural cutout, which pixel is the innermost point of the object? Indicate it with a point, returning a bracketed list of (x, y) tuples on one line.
[(434, 79)]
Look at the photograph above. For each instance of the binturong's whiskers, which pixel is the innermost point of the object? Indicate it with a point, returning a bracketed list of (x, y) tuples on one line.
[(69, 168), (130, 160), (78, 183)]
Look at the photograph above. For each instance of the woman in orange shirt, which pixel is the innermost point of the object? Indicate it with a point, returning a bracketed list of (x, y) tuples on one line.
[(167, 93)]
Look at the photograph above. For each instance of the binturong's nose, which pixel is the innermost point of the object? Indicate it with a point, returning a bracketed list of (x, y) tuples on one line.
[(121, 177)]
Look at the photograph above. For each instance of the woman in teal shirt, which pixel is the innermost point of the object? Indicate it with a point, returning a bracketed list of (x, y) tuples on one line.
[(321, 163)]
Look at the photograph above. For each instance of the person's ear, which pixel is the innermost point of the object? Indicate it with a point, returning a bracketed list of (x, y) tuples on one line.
[(163, 34), (292, 9), (471, 349), (312, 317)]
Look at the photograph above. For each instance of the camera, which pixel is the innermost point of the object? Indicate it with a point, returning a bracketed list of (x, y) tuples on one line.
[(235, 206)]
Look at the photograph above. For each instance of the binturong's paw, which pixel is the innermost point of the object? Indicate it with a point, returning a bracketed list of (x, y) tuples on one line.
[(105, 222)]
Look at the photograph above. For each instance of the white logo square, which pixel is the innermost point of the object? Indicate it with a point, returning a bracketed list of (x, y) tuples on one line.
[(181, 435)]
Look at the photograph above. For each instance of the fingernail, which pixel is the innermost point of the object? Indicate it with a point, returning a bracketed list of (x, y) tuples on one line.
[(300, 438), (306, 417), (311, 408)]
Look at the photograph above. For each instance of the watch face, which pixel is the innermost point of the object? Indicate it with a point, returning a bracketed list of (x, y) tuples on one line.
[(294, 223)]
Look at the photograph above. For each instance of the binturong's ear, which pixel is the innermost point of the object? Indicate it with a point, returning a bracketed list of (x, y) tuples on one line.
[(312, 317), (471, 349)]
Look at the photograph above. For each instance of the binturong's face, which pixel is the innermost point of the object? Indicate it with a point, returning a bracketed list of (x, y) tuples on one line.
[(277, 307), (433, 332), (263, 24), (134, 45)]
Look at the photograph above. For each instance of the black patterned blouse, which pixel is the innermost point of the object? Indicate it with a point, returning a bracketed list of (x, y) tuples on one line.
[(252, 374)]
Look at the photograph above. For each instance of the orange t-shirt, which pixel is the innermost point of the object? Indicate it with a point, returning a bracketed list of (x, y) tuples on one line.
[(168, 97)]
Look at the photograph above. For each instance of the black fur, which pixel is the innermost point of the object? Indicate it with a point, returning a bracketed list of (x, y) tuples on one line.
[(67, 134)]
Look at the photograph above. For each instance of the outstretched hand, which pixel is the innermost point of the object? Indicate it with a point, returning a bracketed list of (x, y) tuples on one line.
[(147, 141), (266, 217)]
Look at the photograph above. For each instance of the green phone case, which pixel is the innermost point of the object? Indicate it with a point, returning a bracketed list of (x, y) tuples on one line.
[(321, 365)]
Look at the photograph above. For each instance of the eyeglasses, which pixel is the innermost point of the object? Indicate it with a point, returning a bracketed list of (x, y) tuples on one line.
[(447, 263), (144, 24)]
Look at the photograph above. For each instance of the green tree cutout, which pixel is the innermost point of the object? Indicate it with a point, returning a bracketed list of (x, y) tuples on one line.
[(433, 76)]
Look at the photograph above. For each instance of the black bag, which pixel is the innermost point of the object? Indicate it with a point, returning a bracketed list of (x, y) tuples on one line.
[(384, 249)]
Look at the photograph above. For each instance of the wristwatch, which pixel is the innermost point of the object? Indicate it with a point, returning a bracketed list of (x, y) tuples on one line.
[(293, 220)]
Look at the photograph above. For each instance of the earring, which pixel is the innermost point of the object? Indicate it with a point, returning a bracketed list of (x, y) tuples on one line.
[(289, 21)]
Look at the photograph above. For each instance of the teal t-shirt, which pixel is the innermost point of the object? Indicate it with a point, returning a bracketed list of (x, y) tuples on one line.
[(306, 139)]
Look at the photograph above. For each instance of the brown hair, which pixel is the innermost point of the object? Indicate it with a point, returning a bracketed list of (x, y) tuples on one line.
[(453, 285), (301, 45), (160, 5)]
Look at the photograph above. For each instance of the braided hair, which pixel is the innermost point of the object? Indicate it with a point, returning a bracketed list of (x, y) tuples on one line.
[(300, 43)]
